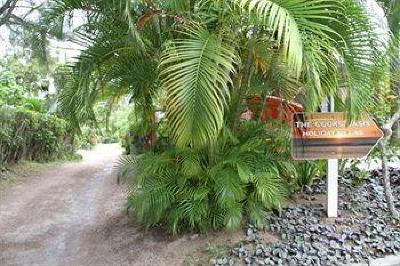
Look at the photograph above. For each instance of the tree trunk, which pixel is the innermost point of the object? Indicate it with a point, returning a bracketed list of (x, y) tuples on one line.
[(396, 133), (396, 126), (386, 181), (240, 92), (387, 129), (108, 116), (394, 69)]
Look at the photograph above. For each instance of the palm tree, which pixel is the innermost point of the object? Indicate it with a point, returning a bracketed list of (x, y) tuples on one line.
[(205, 57)]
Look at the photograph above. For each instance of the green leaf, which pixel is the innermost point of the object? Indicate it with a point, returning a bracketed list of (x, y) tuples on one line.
[(244, 172), (289, 19), (196, 73)]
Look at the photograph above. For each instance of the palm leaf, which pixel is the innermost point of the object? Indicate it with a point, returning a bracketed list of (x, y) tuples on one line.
[(289, 19), (126, 167), (320, 71), (196, 75), (361, 58)]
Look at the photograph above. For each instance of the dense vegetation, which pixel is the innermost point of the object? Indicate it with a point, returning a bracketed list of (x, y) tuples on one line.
[(31, 135), (193, 74), (189, 188), (200, 63), (26, 130)]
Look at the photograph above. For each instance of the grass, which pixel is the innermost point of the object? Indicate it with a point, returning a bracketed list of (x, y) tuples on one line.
[(206, 252)]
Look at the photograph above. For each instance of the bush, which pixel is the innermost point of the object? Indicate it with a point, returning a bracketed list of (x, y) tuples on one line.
[(109, 140), (187, 189), (87, 139), (10, 92), (308, 171), (31, 135), (33, 104)]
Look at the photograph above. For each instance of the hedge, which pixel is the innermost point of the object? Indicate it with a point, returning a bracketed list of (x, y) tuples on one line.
[(30, 135)]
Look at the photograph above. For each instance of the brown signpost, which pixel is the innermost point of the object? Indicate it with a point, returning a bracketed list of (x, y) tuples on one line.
[(329, 136)]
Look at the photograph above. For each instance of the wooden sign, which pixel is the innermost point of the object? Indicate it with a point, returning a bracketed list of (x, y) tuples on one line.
[(329, 136)]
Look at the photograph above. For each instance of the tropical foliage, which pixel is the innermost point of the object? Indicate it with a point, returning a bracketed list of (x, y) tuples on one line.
[(192, 189), (10, 92), (31, 135), (198, 62), (308, 171), (26, 131), (212, 53)]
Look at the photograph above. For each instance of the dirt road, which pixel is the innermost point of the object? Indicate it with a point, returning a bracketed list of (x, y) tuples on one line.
[(73, 215)]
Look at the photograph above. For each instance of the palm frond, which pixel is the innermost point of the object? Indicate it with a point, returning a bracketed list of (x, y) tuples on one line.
[(289, 19), (320, 71), (233, 216), (228, 186), (273, 71), (270, 189), (360, 51), (196, 75), (125, 167), (194, 206), (154, 195)]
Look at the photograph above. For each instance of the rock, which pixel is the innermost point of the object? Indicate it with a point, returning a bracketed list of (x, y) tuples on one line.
[(259, 262), (308, 238), (333, 244), (267, 261)]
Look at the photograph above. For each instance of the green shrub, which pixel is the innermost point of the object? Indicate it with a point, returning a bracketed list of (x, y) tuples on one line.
[(30, 135), (109, 140), (308, 171), (188, 189), (358, 175), (33, 104), (10, 92), (87, 138)]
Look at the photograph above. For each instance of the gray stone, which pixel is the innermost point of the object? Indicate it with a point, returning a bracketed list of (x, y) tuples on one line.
[(365, 231)]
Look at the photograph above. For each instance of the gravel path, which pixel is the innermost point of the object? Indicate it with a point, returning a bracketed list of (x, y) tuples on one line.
[(73, 215)]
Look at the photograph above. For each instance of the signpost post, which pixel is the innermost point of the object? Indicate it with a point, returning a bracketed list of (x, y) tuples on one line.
[(329, 136), (333, 175)]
